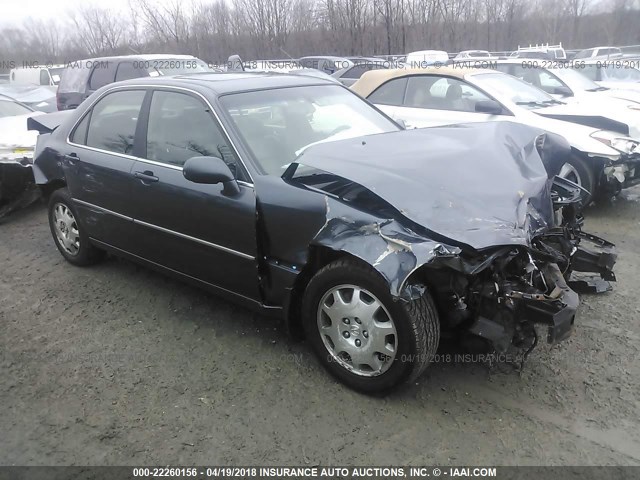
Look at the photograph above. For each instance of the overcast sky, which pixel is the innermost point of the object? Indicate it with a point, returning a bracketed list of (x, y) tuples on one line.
[(14, 12)]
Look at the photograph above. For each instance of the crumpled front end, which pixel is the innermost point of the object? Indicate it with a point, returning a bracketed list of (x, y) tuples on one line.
[(484, 226), (622, 173), (520, 288)]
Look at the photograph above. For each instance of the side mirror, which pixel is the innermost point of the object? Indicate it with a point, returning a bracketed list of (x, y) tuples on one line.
[(488, 106), (210, 170), (563, 91)]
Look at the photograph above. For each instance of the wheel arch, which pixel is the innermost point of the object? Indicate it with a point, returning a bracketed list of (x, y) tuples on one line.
[(319, 256)]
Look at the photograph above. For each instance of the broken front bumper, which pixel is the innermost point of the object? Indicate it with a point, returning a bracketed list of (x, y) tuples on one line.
[(622, 174), (557, 309)]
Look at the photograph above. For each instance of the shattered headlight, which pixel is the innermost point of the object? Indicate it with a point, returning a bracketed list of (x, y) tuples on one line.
[(616, 141)]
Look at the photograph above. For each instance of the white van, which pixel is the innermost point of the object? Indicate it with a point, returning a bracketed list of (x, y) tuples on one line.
[(425, 58), (49, 76)]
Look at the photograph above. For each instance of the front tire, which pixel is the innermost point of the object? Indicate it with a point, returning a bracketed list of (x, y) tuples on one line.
[(577, 170), (68, 232), (361, 335)]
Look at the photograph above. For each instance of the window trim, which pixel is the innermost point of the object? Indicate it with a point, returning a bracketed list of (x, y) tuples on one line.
[(144, 114), (89, 113)]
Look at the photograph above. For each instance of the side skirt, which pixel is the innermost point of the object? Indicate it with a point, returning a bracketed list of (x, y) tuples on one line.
[(246, 302)]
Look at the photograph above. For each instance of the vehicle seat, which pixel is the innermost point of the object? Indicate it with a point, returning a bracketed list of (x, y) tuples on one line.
[(454, 100), (418, 98)]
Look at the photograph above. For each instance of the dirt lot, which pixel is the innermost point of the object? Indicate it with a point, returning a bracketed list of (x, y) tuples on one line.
[(116, 364)]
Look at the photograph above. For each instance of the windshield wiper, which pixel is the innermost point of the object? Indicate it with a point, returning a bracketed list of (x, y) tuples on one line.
[(553, 102), (597, 89), (532, 104)]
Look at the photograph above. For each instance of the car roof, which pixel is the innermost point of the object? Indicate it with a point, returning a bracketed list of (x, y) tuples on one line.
[(324, 57), (374, 78), (145, 56), (518, 61), (230, 82)]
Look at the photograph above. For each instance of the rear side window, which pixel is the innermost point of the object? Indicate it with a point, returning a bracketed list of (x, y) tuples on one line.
[(79, 134), (74, 78), (391, 93), (126, 71), (180, 127), (358, 70), (113, 121), (103, 74), (442, 94)]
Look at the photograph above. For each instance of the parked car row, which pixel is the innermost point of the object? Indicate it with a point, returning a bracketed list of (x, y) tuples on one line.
[(603, 156)]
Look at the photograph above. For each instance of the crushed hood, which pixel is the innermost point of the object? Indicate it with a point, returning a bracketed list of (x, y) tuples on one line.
[(481, 184), (604, 113)]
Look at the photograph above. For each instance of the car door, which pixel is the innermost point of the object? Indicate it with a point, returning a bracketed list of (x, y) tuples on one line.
[(194, 229), (432, 100), (98, 162)]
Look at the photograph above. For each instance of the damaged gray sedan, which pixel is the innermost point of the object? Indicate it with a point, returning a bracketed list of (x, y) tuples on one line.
[(295, 197)]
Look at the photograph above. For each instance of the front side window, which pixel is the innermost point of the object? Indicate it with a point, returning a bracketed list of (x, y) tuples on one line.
[(181, 127), (113, 121), (278, 125)]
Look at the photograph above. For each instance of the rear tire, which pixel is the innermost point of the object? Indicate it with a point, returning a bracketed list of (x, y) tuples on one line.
[(364, 338), (68, 232)]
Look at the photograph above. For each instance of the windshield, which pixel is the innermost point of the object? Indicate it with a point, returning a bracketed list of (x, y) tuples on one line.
[(478, 53), (277, 125), (9, 108), (620, 73), (516, 90), (575, 79)]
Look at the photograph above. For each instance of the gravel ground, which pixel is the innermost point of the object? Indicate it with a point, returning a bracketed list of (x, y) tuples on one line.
[(116, 364)]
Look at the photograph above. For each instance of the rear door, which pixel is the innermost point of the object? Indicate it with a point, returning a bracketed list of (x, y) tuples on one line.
[(193, 228), (98, 163)]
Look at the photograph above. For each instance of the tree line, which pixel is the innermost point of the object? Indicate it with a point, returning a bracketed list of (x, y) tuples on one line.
[(278, 29)]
